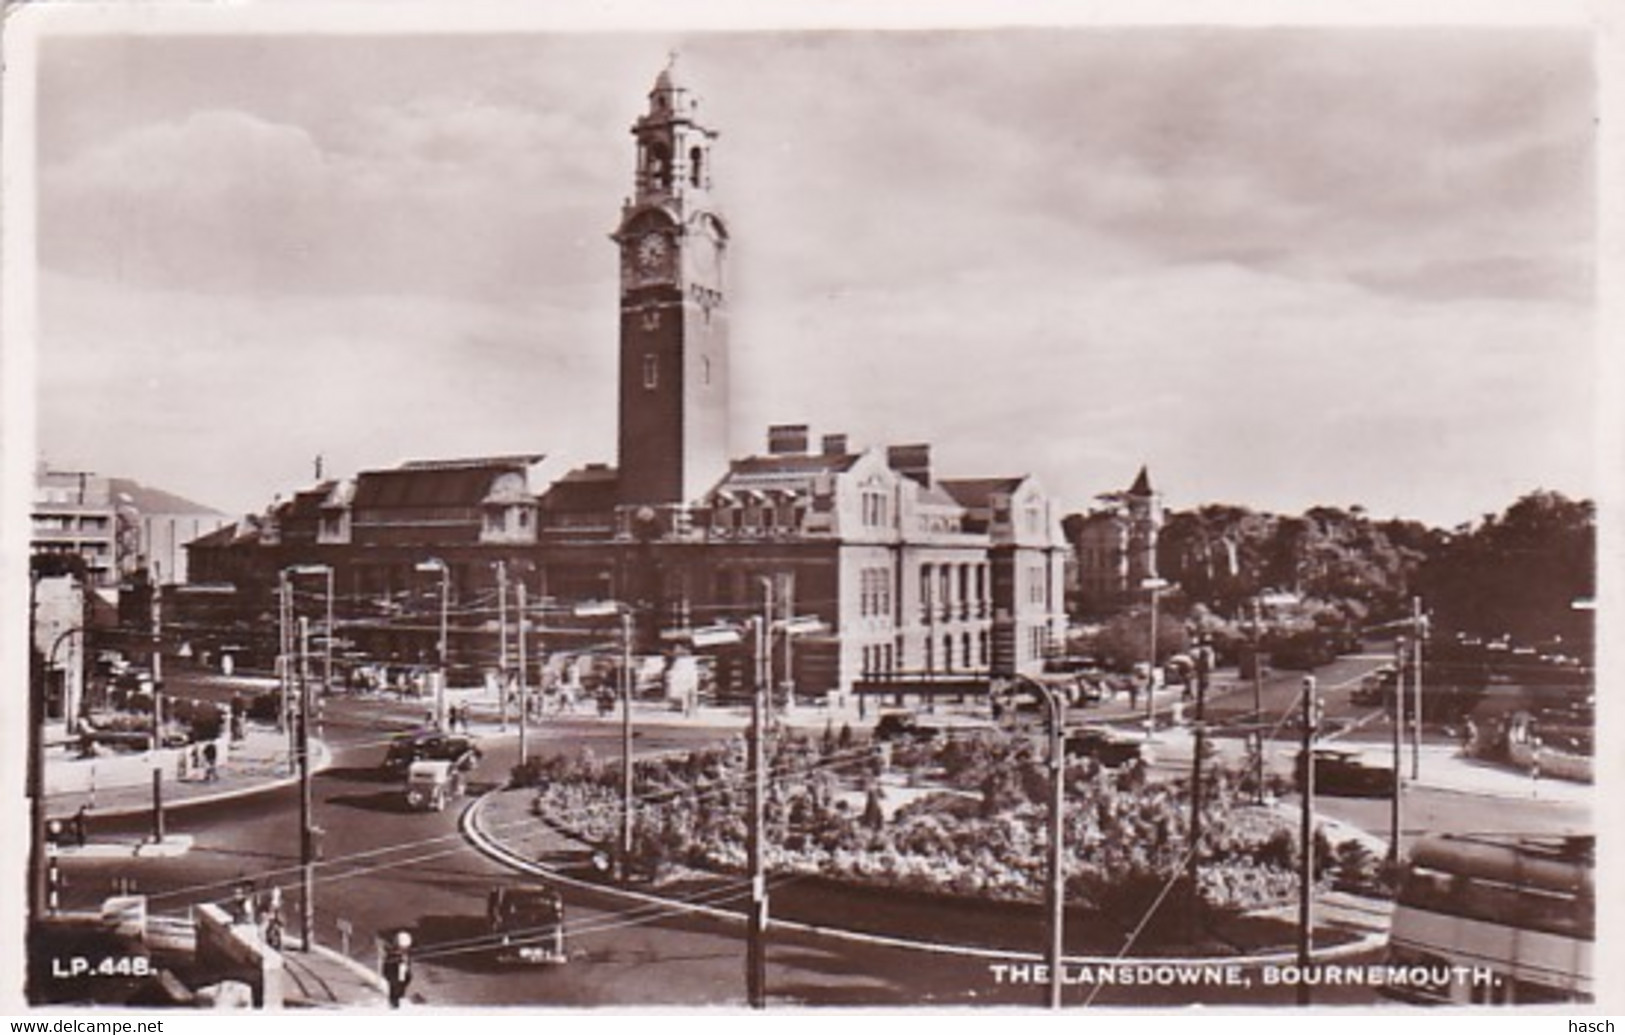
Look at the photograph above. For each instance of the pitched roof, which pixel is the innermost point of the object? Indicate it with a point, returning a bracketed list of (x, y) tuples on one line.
[(591, 489), (792, 464), (1142, 484), (425, 486), (148, 500), (976, 492)]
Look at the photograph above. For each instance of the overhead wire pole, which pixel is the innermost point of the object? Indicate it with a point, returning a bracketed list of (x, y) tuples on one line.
[(626, 741), (1203, 666), (502, 643), (327, 651), (1416, 677), (1399, 751), (1056, 891), (524, 684), (756, 947), (307, 846), (1258, 697), (438, 565), (1155, 585), (1306, 869)]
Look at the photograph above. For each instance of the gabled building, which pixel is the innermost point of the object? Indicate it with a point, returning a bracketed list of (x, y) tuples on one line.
[(1114, 548)]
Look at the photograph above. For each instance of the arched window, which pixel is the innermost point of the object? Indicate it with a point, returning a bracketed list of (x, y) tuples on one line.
[(696, 158), (948, 652), (659, 165)]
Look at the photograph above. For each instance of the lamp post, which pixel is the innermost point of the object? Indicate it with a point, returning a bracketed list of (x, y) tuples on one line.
[(435, 564), (307, 826), (50, 674), (1156, 586), (326, 571), (524, 683)]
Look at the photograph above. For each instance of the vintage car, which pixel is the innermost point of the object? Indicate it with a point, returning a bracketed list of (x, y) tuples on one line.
[(1344, 772), (432, 745), (527, 924), (430, 784), (1110, 747), (914, 726)]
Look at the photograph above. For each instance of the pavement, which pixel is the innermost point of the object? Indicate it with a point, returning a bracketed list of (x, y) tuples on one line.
[(122, 786)]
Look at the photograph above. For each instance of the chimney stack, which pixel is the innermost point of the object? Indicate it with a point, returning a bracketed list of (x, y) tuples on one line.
[(835, 445), (787, 439), (911, 461)]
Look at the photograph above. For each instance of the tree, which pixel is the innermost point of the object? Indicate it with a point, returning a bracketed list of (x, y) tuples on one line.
[(1519, 573)]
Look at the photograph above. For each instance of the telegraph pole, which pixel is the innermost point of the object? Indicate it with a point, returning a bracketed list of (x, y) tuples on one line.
[(1258, 698), (756, 947), (284, 656), (307, 832), (502, 641), (626, 741), (1416, 677), (1399, 750), (524, 692), (1203, 666), (1057, 827), (1306, 872)]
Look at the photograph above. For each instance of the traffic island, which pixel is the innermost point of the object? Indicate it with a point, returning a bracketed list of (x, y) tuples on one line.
[(503, 825)]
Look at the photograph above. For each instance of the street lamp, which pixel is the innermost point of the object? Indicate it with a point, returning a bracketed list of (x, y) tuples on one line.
[(1055, 703), (600, 609), (1156, 586), (326, 571), (435, 564), (307, 826)]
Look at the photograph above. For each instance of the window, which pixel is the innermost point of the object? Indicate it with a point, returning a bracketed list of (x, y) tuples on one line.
[(696, 160), (705, 370), (651, 370)]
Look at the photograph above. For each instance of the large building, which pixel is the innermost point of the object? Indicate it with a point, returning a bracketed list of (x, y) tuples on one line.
[(1114, 548), (116, 526), (899, 571)]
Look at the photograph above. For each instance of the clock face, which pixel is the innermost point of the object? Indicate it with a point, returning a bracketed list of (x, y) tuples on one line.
[(652, 251)]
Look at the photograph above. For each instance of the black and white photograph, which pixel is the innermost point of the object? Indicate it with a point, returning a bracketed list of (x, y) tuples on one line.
[(794, 513)]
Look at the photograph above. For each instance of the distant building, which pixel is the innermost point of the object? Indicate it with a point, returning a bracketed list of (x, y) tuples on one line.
[(74, 514), (118, 527), (155, 527), (1114, 548), (893, 569)]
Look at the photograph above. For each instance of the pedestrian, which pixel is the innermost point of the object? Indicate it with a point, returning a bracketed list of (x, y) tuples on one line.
[(1534, 766), (272, 909), (79, 825), (398, 968), (211, 762)]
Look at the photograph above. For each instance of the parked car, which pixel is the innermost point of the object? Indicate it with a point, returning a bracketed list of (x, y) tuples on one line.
[(1110, 747), (430, 745), (1376, 688), (528, 924), (1344, 772), (913, 726)]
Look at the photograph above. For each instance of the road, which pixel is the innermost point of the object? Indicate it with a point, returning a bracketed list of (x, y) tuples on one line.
[(385, 868)]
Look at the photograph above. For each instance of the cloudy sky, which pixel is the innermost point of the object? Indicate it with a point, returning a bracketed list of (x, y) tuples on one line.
[(1283, 267)]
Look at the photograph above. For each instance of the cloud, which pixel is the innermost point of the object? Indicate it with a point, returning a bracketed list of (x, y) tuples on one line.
[(1278, 264), (226, 400)]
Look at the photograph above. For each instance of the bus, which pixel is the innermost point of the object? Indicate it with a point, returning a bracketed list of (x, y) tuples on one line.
[(1498, 918)]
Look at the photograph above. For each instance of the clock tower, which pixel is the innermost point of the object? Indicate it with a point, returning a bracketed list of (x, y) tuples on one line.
[(674, 322)]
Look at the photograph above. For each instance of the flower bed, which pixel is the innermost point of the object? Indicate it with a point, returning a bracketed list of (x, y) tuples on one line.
[(976, 826)]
